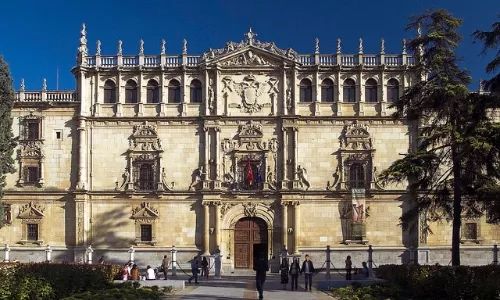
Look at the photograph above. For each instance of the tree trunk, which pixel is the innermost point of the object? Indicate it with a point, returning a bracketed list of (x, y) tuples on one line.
[(457, 206)]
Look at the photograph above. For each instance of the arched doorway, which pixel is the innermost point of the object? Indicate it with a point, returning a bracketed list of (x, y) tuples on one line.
[(250, 234)]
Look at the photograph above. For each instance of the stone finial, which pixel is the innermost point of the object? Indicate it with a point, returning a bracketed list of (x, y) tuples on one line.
[(83, 50), (184, 46), (250, 36), (419, 30), (316, 46), (98, 47), (22, 87), (163, 47), (120, 47), (141, 47), (382, 46), (339, 46), (404, 47), (360, 51), (44, 84)]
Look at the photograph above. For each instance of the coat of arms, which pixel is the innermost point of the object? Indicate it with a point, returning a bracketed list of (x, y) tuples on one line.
[(250, 90)]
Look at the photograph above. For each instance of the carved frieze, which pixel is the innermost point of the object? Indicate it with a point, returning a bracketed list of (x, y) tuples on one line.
[(144, 213), (250, 209), (32, 211)]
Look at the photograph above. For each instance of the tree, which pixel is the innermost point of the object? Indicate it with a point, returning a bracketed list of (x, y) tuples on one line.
[(454, 156), (491, 40), (7, 141)]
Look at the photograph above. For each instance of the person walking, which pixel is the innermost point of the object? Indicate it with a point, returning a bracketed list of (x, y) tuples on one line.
[(308, 270), (164, 266), (261, 266), (134, 272), (284, 269), (204, 267), (348, 268), (294, 272), (194, 270)]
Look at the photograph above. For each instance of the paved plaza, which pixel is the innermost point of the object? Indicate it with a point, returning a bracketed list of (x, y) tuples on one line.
[(243, 287)]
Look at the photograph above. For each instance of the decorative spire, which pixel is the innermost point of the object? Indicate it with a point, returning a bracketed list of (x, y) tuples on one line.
[(339, 46), (184, 46), (141, 47), (120, 49), (360, 51), (316, 46), (44, 85), (163, 46), (22, 87), (82, 50), (250, 36), (98, 47), (419, 30), (382, 46), (404, 47)]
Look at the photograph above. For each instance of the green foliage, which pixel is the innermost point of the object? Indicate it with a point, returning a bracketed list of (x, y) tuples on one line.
[(122, 291), (491, 40), (443, 282), (377, 291), (7, 141)]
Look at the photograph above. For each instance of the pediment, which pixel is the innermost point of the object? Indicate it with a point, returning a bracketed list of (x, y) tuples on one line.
[(31, 211), (145, 211), (249, 57)]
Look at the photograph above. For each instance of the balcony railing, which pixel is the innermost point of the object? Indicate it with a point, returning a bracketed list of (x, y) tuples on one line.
[(46, 96)]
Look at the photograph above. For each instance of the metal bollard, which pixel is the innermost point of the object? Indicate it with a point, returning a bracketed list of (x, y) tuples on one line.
[(370, 261), (173, 252), (327, 276), (89, 254), (131, 252), (495, 254), (7, 253), (48, 253)]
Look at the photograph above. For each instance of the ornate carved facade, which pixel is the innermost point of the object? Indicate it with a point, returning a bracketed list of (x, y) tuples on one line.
[(153, 151)]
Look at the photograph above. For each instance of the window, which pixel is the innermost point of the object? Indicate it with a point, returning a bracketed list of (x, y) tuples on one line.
[(32, 232), (349, 90), (470, 231), (109, 92), (153, 92), (357, 176), (58, 134), (327, 90), (392, 90), (195, 91), (305, 90), (174, 91), (31, 174), (146, 176), (371, 90), (33, 130), (131, 92), (146, 233)]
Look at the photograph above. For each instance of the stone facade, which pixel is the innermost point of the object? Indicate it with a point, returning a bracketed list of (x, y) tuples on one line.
[(152, 151)]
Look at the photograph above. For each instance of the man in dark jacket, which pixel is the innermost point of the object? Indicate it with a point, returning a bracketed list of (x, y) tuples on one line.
[(261, 266), (308, 270), (194, 270)]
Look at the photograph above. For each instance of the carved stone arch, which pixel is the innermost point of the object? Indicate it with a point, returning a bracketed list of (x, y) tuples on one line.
[(237, 212), (103, 79), (332, 77), (366, 76)]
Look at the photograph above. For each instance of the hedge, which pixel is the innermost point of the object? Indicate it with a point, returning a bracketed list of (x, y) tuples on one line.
[(444, 282), (53, 281)]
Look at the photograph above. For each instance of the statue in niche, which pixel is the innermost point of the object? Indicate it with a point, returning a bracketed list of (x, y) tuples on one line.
[(126, 179), (303, 178), (271, 180), (197, 177), (164, 182)]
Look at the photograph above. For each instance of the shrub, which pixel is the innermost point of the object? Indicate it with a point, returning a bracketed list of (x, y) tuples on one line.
[(122, 291), (372, 292)]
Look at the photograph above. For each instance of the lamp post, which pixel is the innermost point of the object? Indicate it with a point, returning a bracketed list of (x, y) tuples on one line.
[(89, 254), (131, 252)]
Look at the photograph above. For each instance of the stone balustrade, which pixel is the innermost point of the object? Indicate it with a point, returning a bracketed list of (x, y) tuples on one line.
[(46, 96)]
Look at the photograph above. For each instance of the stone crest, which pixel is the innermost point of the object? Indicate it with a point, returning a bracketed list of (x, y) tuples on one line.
[(250, 209)]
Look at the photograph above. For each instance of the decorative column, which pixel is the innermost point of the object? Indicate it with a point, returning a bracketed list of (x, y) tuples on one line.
[(295, 156), (284, 93), (296, 223), (284, 210), (361, 104), (217, 224), (206, 159), (284, 180), (141, 99), (206, 229), (206, 92), (217, 178), (82, 155)]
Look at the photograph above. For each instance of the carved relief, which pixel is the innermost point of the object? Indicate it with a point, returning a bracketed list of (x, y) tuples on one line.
[(224, 208), (144, 213), (250, 209), (245, 59), (80, 218), (31, 211), (7, 214)]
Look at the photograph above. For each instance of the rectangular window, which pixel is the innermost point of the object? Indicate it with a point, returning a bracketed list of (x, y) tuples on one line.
[(470, 231), (32, 232), (33, 130), (349, 94), (145, 178), (146, 233), (371, 94), (31, 174), (327, 94), (58, 135)]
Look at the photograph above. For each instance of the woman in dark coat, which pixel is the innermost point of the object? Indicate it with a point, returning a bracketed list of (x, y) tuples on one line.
[(284, 268)]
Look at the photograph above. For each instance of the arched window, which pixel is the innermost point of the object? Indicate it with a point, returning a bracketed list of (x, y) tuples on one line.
[(131, 92), (195, 89), (109, 91), (357, 176), (153, 92), (174, 91), (392, 90), (371, 90), (305, 90), (349, 90), (327, 90)]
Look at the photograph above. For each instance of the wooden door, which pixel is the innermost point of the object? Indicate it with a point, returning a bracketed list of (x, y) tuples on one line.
[(247, 233)]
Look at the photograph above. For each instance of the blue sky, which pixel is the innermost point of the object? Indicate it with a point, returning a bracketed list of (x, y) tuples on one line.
[(39, 37)]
